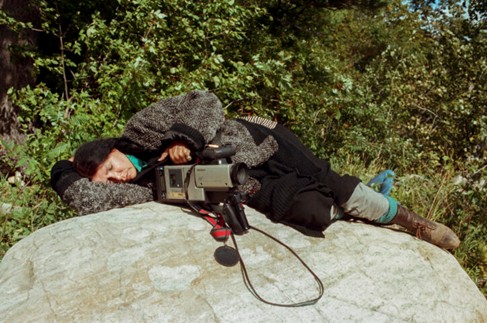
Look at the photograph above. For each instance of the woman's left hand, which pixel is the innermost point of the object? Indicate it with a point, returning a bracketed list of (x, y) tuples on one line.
[(178, 151)]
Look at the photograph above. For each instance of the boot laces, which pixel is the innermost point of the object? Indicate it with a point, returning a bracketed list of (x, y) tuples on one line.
[(423, 227)]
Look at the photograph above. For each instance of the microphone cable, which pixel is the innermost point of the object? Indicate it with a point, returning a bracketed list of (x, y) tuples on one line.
[(251, 287)]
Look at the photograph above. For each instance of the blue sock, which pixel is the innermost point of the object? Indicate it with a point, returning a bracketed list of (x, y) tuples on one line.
[(384, 181), (391, 213)]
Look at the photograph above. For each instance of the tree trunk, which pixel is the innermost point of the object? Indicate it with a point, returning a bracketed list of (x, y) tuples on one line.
[(16, 70)]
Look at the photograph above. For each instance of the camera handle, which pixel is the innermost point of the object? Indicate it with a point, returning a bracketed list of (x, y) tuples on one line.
[(234, 214)]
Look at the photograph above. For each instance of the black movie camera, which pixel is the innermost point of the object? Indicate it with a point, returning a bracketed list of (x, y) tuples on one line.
[(212, 184)]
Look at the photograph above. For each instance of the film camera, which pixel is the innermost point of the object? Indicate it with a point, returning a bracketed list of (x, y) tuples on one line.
[(212, 184)]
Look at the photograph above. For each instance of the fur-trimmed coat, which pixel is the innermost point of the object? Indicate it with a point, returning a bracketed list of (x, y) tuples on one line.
[(283, 172)]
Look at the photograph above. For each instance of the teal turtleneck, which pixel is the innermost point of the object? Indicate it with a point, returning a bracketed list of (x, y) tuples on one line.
[(139, 164)]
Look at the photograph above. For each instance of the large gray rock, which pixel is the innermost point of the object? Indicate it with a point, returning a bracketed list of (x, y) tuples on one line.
[(154, 263)]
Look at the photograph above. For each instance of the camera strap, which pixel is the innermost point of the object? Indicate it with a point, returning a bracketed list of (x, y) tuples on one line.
[(219, 231), (217, 140)]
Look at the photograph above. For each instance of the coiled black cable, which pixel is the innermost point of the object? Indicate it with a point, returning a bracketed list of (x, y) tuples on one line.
[(254, 292)]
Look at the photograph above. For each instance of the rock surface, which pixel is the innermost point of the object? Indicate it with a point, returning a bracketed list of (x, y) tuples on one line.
[(154, 263)]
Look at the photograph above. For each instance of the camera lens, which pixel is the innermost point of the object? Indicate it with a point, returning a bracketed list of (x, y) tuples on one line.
[(240, 174)]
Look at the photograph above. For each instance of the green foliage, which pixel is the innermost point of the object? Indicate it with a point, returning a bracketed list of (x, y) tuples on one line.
[(26, 208), (465, 212), (368, 84)]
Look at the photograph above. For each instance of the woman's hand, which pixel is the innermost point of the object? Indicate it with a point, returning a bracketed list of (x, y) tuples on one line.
[(178, 151)]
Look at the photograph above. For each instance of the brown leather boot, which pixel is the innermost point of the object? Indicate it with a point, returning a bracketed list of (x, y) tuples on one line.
[(435, 233)]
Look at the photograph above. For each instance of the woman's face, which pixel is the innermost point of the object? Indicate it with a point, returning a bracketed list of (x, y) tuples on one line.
[(116, 168)]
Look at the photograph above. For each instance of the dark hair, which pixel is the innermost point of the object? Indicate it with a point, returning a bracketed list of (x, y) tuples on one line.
[(90, 155)]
